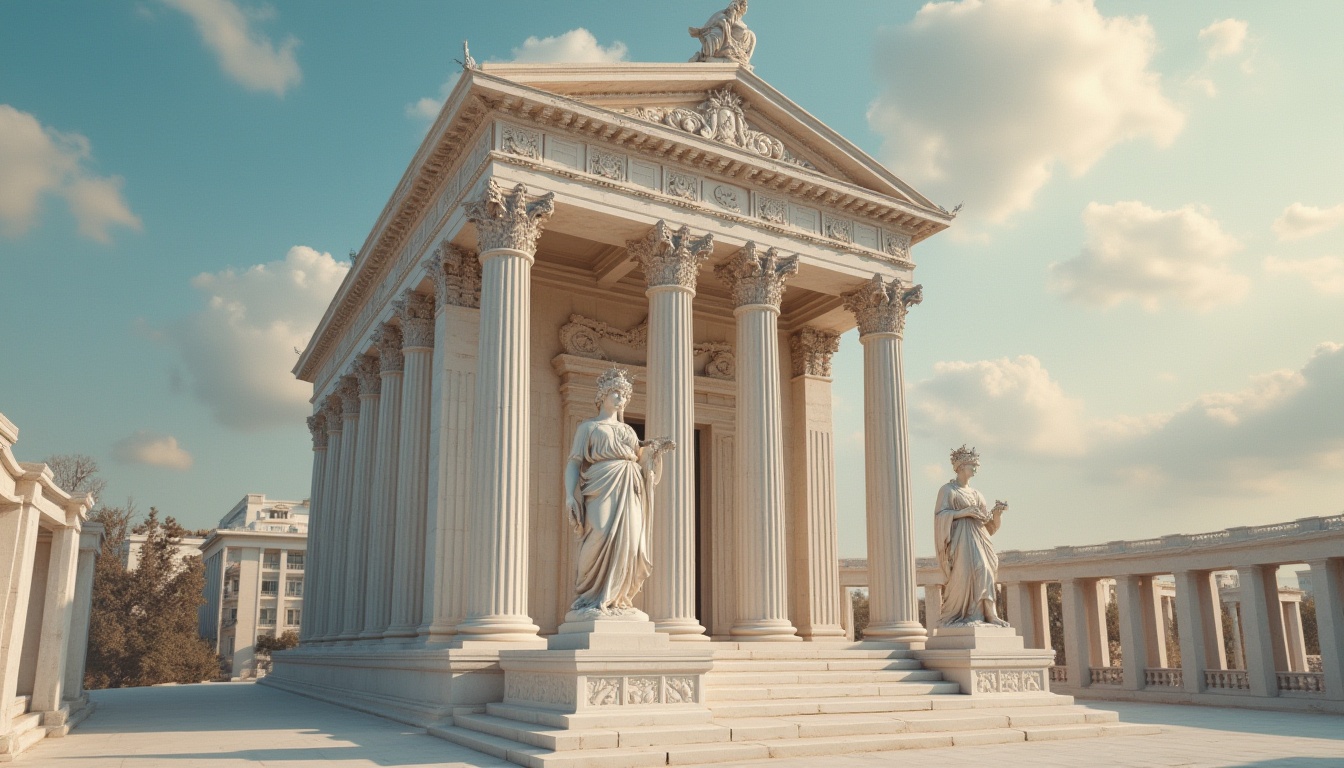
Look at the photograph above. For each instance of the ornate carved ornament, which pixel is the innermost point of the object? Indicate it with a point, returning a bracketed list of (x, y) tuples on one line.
[(416, 312), (880, 307), (317, 426), (331, 410), (757, 278), (457, 276), (348, 389), (511, 219), (583, 337), (812, 349), (388, 340), (720, 117), (671, 258), (366, 370), (725, 37)]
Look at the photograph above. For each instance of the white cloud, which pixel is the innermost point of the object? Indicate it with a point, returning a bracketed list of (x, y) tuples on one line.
[(152, 449), (36, 161), (1325, 273), (1224, 38), (982, 100), (246, 55), (1137, 253), (1299, 221), (577, 46), (239, 350)]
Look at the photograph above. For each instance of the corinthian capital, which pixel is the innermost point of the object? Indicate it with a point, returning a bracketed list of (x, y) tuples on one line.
[(348, 389), (812, 349), (416, 311), (317, 427), (457, 276), (366, 370), (331, 411), (880, 307), (671, 258), (510, 220), (757, 278), (388, 341)]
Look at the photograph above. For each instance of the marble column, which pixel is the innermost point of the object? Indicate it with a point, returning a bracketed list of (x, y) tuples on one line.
[(1238, 659), (1154, 621), (880, 308), (245, 632), (1133, 637), (340, 533), (90, 545), (383, 494), (457, 283), (756, 279), (508, 225), (317, 589), (49, 681), (317, 426), (1262, 628), (360, 528), (1327, 587), (814, 557), (671, 263), (1294, 637), (1028, 612), (416, 311), (1200, 620)]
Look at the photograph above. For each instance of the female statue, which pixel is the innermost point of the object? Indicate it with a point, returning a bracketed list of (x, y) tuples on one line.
[(963, 524), (608, 492), (725, 36)]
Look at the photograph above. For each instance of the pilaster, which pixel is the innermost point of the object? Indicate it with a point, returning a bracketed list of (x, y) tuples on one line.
[(507, 228), (757, 281), (880, 308), (671, 263), (814, 570)]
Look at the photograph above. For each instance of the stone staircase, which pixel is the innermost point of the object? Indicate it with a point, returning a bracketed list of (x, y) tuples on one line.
[(25, 729), (785, 701)]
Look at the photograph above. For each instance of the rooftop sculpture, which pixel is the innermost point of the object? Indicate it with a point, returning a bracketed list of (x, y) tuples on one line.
[(724, 37)]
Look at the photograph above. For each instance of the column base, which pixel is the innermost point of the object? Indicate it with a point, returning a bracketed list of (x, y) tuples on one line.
[(401, 633), (910, 632), (825, 633), (764, 631), (498, 629), (437, 634), (682, 630)]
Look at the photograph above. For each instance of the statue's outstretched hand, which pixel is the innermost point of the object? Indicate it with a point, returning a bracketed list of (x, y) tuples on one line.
[(1000, 507), (575, 514)]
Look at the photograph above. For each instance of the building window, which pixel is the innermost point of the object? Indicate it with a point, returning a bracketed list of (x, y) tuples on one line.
[(231, 589), (271, 561), (271, 587), (292, 616), (268, 617), (294, 587), (233, 614), (294, 561)]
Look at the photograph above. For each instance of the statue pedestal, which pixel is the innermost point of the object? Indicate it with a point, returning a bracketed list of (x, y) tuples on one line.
[(609, 672), (987, 661)]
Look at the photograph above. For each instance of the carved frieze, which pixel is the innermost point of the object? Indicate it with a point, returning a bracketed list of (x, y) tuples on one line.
[(755, 277), (671, 257), (643, 690), (583, 337), (880, 307), (728, 198), (604, 691), (609, 165), (1009, 680), (416, 312), (898, 245), (682, 185), (839, 229), (552, 690), (812, 349), (772, 209), (457, 276), (720, 117), (511, 219), (680, 690), (520, 141), (366, 370), (388, 340), (317, 426)]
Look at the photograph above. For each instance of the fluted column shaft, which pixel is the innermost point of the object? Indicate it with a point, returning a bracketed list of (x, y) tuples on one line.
[(417, 316), (361, 516), (58, 609), (880, 308), (383, 496), (339, 535), (671, 262), (316, 587), (757, 281), (507, 229), (317, 423)]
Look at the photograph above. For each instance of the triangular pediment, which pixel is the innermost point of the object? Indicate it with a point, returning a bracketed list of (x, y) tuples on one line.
[(724, 103)]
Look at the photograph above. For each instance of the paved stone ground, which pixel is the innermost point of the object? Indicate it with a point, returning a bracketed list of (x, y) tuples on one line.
[(237, 725)]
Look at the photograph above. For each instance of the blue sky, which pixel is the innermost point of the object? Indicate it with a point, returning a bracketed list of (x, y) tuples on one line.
[(1136, 318)]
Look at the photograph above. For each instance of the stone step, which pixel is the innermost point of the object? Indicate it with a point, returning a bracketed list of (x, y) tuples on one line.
[(629, 757), (17, 706), (603, 719), (915, 687), (566, 740), (25, 731), (791, 707), (811, 665), (791, 651), (716, 680)]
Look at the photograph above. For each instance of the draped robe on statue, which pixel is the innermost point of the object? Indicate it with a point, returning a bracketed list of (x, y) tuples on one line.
[(965, 554), (613, 559)]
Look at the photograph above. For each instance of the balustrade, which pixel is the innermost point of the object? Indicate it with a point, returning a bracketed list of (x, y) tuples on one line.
[(1227, 680), (1108, 675), (1163, 677), (1059, 674), (1302, 682)]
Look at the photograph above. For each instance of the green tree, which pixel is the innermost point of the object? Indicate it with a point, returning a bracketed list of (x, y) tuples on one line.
[(860, 599), (1309, 632), (1054, 603), (143, 627)]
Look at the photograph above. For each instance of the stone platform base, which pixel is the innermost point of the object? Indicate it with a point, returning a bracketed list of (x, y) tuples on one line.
[(988, 661)]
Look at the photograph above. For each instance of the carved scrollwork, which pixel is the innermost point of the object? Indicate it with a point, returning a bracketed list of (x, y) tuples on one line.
[(642, 690), (720, 117), (682, 185), (840, 229), (772, 209), (757, 277), (880, 307), (583, 337), (727, 198), (606, 164), (317, 426), (511, 220), (812, 349), (680, 690), (898, 245), (604, 691), (521, 142)]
